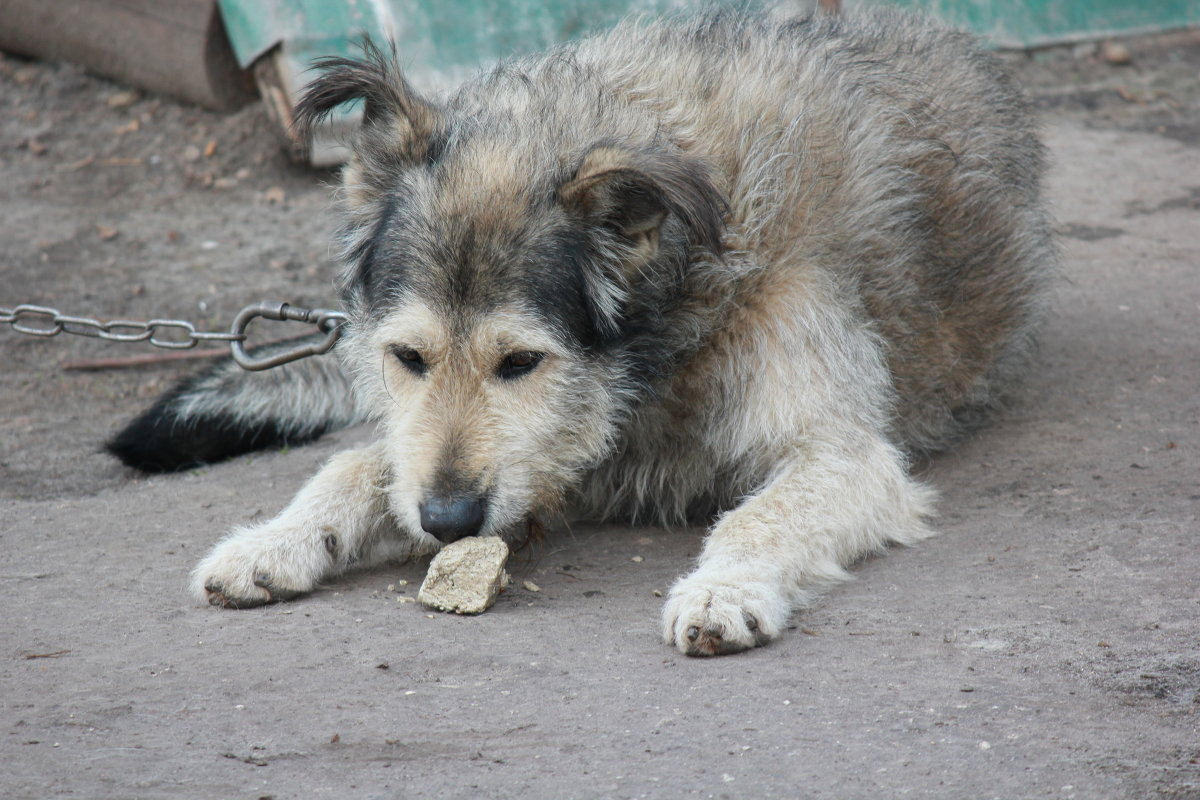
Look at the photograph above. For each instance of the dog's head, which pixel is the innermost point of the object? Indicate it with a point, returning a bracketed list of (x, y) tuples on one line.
[(508, 254)]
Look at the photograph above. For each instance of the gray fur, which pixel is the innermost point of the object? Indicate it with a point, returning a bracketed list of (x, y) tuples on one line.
[(751, 261)]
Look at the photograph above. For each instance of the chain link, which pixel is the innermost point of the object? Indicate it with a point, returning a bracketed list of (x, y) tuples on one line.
[(177, 334)]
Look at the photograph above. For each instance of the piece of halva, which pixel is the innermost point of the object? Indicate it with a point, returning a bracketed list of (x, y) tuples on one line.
[(465, 576)]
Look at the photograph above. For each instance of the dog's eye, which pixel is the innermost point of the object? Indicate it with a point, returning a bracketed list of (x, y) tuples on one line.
[(410, 359), (515, 365)]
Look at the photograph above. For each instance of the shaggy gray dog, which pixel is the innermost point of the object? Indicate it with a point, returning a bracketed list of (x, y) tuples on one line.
[(731, 268)]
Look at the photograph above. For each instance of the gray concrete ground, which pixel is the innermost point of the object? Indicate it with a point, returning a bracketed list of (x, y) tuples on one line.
[(1047, 644)]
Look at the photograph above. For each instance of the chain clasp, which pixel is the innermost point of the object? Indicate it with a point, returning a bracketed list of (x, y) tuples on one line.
[(327, 321)]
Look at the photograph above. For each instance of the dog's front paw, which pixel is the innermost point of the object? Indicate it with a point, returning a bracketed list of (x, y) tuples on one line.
[(248, 570), (711, 613)]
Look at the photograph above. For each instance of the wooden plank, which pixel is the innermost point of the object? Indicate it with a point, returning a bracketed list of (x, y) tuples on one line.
[(175, 47)]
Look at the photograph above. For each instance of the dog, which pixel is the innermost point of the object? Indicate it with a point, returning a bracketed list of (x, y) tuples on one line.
[(735, 268)]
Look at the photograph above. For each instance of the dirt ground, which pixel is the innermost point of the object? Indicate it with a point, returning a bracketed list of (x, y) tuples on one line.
[(1046, 645)]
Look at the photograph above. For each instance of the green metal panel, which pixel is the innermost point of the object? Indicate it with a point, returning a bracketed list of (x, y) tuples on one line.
[(1008, 23), (452, 34), (439, 41)]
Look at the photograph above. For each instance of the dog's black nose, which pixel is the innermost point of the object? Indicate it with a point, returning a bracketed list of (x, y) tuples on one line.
[(452, 518)]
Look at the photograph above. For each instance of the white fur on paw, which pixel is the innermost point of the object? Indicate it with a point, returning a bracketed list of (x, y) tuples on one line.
[(711, 613), (257, 566)]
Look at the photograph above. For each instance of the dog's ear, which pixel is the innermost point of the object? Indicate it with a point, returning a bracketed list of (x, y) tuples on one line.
[(398, 125), (632, 193), (637, 197)]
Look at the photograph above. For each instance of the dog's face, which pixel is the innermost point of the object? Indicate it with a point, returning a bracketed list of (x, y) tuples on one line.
[(492, 267), (489, 416)]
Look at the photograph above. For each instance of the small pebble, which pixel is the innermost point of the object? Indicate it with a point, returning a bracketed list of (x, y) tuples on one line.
[(1116, 53), (122, 99)]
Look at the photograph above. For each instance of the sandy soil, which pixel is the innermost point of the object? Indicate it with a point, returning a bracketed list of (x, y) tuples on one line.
[(1046, 645)]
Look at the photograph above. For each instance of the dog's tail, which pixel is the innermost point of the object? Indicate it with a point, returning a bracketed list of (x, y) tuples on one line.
[(225, 411)]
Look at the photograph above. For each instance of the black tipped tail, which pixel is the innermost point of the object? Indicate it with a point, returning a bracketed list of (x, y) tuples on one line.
[(158, 440), (225, 412)]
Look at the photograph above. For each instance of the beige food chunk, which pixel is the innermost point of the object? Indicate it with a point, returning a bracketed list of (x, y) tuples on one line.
[(465, 576)]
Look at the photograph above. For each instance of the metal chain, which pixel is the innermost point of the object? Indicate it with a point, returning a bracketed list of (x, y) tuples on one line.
[(44, 321), (51, 322)]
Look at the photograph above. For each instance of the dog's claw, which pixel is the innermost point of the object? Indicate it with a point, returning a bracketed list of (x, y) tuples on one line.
[(711, 642), (218, 595), (214, 595), (275, 593)]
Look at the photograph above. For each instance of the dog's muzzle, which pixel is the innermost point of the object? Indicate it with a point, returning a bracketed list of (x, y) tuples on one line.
[(451, 518)]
